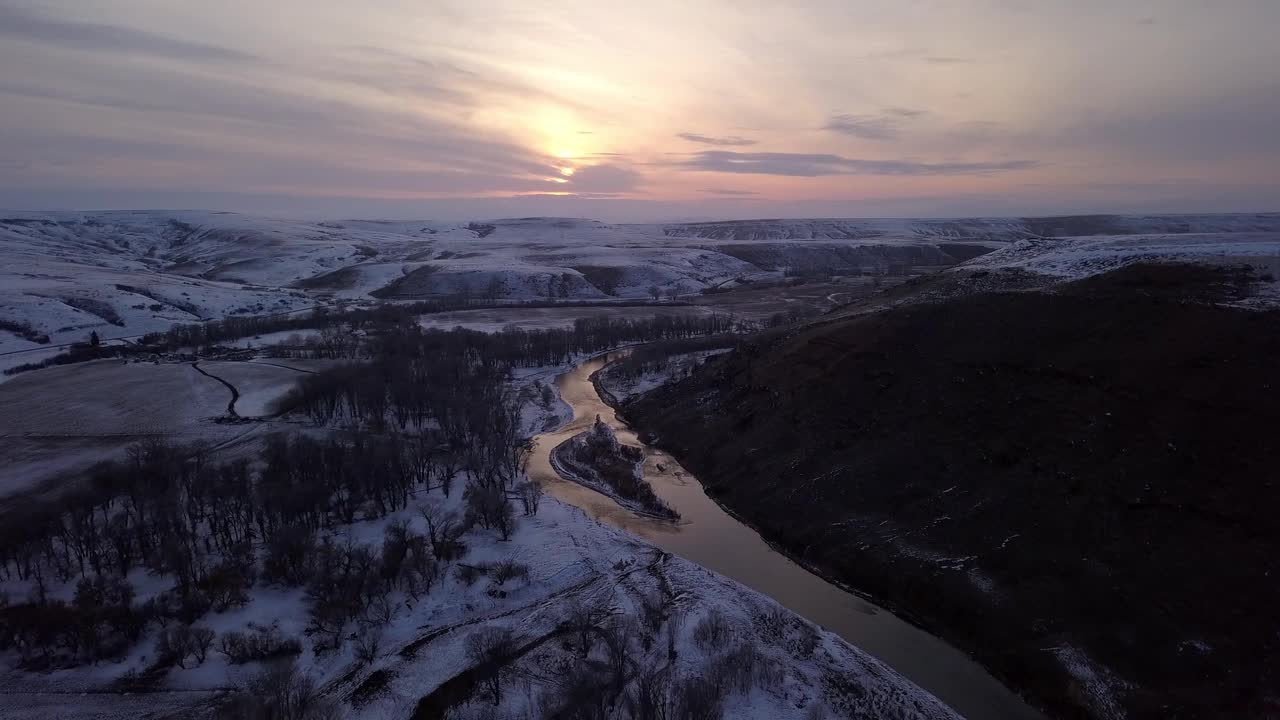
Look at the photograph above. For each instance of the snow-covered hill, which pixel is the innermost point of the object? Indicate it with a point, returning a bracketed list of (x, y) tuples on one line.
[(63, 275)]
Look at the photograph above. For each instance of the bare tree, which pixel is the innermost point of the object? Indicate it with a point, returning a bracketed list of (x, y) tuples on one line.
[(489, 652), (531, 492), (368, 643), (280, 692)]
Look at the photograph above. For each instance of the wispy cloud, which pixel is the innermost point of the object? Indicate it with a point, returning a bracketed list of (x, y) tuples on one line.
[(728, 141), (725, 192), (884, 126), (816, 165), (32, 27)]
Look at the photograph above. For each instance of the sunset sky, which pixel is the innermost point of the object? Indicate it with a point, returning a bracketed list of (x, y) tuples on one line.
[(641, 110)]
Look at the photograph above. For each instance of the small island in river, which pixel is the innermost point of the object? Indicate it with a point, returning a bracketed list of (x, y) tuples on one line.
[(596, 459)]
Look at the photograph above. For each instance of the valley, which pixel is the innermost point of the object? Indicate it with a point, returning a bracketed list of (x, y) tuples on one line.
[(914, 468)]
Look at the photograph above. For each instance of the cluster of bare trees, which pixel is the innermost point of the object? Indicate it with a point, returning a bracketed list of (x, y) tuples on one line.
[(205, 525)]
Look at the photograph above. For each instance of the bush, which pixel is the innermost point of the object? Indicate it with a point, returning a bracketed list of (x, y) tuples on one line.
[(713, 634), (228, 583), (368, 643), (280, 693), (259, 643), (186, 607), (24, 330), (176, 644), (290, 551), (501, 572)]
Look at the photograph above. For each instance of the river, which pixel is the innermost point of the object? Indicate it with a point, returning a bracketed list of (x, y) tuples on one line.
[(712, 538)]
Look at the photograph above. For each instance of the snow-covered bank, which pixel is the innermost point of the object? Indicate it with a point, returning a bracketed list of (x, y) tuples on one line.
[(596, 460)]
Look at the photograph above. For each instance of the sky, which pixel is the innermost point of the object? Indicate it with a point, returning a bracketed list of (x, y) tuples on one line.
[(633, 111)]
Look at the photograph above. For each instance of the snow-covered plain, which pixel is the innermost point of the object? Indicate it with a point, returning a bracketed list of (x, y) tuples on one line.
[(131, 272)]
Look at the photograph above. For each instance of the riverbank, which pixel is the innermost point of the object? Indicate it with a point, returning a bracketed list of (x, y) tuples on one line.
[(572, 460), (712, 538)]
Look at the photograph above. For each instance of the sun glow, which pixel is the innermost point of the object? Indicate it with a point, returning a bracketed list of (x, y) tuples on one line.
[(567, 171)]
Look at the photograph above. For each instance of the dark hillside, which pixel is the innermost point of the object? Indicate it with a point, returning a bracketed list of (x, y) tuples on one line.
[(1078, 487)]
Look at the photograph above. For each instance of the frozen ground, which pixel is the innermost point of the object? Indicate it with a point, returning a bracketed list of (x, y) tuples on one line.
[(124, 274), (62, 419), (574, 564)]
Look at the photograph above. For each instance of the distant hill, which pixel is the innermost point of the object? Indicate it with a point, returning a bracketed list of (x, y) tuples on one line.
[(65, 274)]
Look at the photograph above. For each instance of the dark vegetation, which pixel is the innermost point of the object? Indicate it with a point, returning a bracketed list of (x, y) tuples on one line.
[(84, 352), (426, 408), (233, 328), (604, 277), (97, 308), (173, 511), (183, 305), (1027, 473), (404, 373), (411, 284), (24, 330)]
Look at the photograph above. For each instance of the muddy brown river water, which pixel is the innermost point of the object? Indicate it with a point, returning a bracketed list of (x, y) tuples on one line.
[(714, 539)]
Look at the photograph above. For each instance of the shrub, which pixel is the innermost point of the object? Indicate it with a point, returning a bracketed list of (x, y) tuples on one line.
[(176, 644), (280, 693), (259, 643), (713, 634), (501, 572), (290, 551)]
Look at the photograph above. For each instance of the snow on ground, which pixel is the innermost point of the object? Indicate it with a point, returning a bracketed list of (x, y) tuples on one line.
[(127, 273), (544, 410), (1097, 684), (573, 562), (66, 417), (259, 384), (1075, 258)]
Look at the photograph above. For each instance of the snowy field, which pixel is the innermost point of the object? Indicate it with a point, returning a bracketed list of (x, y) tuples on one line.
[(123, 274), (64, 418)]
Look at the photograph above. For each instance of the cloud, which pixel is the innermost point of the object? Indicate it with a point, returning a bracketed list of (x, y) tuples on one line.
[(33, 27), (816, 165), (729, 141), (729, 193), (598, 179), (947, 60), (884, 126)]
